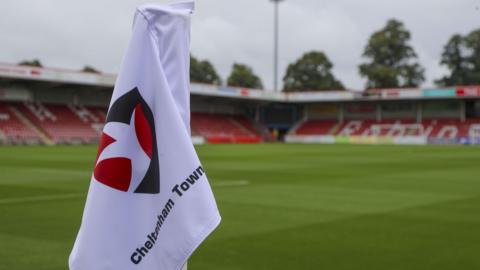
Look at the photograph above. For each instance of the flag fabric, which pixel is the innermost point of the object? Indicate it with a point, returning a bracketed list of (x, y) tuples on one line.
[(149, 204)]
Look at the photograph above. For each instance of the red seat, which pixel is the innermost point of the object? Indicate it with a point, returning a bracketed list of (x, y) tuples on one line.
[(316, 127), (223, 128), (433, 128), (13, 130), (62, 123)]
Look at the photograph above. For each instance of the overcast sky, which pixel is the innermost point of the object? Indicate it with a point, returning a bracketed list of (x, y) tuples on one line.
[(70, 34)]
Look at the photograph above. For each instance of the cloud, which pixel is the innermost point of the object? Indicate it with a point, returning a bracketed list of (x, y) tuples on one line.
[(72, 34)]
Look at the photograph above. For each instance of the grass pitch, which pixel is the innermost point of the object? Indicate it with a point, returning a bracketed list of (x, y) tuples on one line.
[(283, 206)]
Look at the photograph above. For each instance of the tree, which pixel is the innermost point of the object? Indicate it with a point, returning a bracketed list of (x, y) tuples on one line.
[(313, 71), (31, 63), (90, 69), (243, 76), (461, 55), (391, 60), (203, 72)]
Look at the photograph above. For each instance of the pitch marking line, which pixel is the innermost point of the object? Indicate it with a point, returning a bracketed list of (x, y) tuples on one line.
[(231, 183), (41, 198), (79, 195)]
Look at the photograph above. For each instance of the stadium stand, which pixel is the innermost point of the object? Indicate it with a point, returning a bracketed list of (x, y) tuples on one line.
[(69, 124), (432, 128), (63, 123), (100, 113), (13, 130), (316, 127), (223, 128), (35, 106)]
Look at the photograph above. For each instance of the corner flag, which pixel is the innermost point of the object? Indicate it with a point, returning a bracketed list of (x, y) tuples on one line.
[(149, 204)]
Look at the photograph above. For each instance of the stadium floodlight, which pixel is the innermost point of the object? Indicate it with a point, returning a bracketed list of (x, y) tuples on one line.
[(275, 45)]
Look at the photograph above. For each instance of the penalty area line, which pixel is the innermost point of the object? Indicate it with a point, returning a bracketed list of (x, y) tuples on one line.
[(40, 198)]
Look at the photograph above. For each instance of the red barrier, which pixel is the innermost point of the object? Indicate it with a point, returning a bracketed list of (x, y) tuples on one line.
[(245, 140)]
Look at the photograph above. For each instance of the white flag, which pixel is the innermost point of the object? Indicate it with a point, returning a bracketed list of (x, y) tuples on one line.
[(149, 205)]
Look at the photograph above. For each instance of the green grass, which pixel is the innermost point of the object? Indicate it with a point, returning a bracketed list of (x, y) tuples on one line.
[(305, 207)]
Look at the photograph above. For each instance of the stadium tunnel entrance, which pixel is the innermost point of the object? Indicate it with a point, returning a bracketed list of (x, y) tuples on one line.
[(280, 118)]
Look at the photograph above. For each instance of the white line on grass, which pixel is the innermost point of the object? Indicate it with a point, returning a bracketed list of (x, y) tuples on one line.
[(79, 195), (41, 198), (231, 183)]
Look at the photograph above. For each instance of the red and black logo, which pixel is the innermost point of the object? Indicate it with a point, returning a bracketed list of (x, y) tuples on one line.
[(127, 156)]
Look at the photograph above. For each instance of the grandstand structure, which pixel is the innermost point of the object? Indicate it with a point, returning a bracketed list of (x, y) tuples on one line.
[(56, 106)]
